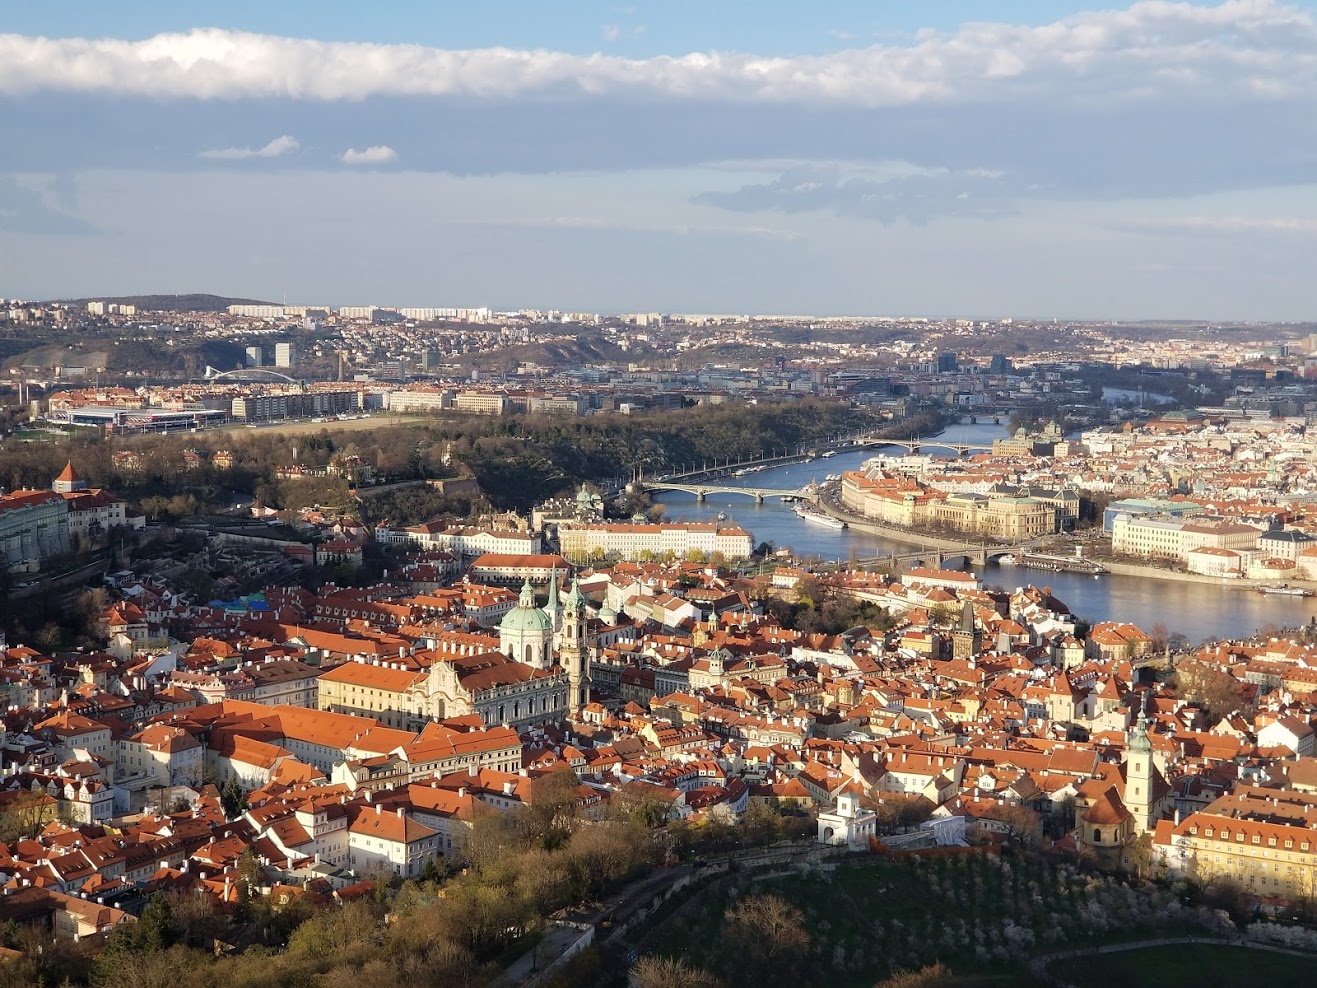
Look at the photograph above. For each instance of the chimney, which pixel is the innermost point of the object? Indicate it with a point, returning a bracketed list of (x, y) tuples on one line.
[(378, 807), (399, 812)]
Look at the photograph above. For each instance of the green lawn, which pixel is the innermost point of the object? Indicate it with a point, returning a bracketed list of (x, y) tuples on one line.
[(1187, 966), (980, 916)]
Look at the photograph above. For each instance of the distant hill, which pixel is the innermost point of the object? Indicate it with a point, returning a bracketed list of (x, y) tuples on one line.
[(172, 303), (588, 348)]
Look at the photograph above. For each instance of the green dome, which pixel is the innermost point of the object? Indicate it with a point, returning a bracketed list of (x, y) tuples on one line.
[(526, 619)]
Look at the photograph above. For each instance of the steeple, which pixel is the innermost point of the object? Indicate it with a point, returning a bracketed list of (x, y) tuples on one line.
[(552, 603), (551, 606), (575, 600), (1138, 740)]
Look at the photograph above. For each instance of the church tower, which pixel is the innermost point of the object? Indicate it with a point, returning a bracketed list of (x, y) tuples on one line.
[(572, 653), (966, 641), (552, 607), (1141, 777)]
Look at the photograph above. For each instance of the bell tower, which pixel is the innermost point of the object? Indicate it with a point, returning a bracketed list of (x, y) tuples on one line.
[(572, 651), (1140, 774)]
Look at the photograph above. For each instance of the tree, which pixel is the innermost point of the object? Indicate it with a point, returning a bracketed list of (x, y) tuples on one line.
[(1021, 823), (551, 816), (665, 972), (156, 929), (233, 799), (1215, 690), (769, 931), (25, 814), (932, 976)]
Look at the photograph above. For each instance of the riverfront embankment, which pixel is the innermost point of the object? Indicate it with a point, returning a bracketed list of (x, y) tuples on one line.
[(1157, 573), (923, 540)]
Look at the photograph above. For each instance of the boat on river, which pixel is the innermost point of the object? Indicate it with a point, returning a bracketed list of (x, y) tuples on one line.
[(818, 517), (1286, 590)]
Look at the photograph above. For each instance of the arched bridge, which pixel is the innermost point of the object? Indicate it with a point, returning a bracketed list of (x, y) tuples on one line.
[(244, 373), (937, 556), (702, 491), (915, 445)]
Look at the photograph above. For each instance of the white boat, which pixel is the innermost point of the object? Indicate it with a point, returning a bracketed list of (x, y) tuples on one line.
[(819, 518), (1286, 590), (1007, 560), (828, 453)]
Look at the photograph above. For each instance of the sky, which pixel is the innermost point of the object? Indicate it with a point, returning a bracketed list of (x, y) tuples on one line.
[(1022, 159)]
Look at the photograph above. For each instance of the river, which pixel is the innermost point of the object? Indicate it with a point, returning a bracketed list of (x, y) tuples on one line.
[(1199, 611)]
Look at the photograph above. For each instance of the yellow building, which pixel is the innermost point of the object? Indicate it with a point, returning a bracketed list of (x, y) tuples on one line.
[(1262, 839)]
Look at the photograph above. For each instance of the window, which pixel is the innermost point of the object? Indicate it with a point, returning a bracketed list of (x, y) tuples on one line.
[(1097, 836)]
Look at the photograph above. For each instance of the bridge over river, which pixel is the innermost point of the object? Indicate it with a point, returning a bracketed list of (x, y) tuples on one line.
[(703, 489)]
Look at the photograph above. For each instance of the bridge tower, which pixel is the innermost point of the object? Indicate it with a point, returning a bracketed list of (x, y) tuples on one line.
[(966, 640)]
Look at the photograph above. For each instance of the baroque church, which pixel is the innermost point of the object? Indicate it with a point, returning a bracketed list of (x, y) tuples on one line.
[(1116, 808), (539, 675)]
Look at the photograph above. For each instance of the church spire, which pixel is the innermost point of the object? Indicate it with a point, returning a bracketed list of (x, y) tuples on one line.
[(1139, 735), (551, 605)]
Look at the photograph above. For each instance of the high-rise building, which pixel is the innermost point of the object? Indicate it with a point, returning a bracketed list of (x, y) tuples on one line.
[(946, 362), (255, 356), (285, 354)]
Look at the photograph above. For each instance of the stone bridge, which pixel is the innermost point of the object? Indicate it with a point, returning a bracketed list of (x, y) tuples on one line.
[(703, 490)]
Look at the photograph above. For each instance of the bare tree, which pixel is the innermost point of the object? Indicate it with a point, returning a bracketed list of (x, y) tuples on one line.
[(665, 972), (770, 931)]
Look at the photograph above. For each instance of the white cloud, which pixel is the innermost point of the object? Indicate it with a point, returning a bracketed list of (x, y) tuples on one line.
[(277, 148), (377, 154), (1247, 50)]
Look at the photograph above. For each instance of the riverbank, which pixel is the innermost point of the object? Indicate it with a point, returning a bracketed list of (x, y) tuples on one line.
[(1141, 570), (1157, 573), (902, 535)]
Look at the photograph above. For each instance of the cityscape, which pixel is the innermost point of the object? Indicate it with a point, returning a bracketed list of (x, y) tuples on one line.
[(680, 634)]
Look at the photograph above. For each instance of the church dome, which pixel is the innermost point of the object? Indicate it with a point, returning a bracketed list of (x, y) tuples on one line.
[(526, 619)]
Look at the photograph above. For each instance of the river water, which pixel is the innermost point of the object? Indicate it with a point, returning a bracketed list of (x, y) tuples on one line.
[(1199, 611)]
